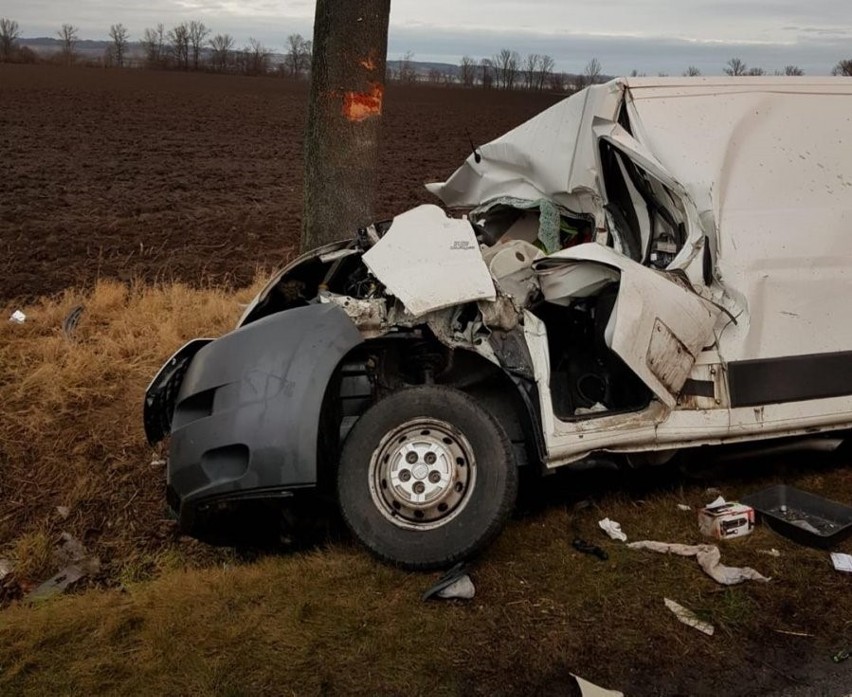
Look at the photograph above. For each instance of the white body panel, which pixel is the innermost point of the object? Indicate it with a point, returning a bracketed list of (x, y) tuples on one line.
[(443, 265), (763, 169)]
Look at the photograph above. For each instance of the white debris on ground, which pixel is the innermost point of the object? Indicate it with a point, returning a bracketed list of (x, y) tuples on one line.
[(684, 507), (613, 529), (462, 589), (688, 617), (708, 557), (588, 689), (842, 562), (18, 317)]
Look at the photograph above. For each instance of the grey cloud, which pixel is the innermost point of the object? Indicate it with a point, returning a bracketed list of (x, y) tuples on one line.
[(624, 34)]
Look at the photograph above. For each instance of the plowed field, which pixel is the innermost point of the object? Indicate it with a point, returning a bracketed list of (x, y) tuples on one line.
[(193, 177)]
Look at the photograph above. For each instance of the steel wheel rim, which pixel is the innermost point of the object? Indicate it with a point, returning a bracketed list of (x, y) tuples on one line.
[(421, 474)]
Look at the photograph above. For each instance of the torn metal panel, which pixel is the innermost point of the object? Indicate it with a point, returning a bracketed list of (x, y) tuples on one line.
[(657, 327), (430, 261), (551, 156), (369, 315)]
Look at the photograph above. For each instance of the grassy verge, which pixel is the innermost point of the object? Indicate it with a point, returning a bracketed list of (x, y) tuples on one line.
[(172, 617), (71, 431)]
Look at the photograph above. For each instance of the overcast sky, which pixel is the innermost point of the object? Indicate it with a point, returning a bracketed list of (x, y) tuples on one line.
[(650, 36)]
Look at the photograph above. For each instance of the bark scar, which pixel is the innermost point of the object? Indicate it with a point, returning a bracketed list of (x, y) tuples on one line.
[(358, 106)]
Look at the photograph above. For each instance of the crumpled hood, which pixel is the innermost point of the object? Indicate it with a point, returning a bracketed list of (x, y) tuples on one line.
[(550, 156)]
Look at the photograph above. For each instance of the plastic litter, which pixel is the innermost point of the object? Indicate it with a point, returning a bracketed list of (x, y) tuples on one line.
[(684, 507), (688, 617), (455, 584), (588, 689), (18, 317), (78, 564), (841, 656), (613, 529), (842, 562), (708, 557), (69, 324), (462, 589), (769, 552)]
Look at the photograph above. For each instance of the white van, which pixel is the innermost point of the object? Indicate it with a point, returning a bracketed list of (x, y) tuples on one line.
[(647, 266)]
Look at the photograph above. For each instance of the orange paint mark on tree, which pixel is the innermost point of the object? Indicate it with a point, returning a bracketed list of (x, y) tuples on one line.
[(358, 106)]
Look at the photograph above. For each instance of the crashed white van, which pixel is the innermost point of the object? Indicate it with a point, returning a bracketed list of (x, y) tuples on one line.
[(647, 266)]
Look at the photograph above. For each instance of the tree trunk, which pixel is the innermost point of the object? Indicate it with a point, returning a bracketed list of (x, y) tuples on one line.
[(344, 118)]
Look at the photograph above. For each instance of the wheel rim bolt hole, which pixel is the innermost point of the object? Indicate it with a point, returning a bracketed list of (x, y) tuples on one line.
[(419, 487), (404, 475), (434, 476), (411, 458), (430, 458)]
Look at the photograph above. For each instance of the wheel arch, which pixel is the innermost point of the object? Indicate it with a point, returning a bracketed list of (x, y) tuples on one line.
[(383, 365)]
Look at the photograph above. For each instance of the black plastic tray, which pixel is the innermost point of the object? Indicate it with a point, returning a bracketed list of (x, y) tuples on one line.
[(802, 517)]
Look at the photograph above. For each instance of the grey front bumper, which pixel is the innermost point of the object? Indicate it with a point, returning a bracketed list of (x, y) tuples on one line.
[(246, 417)]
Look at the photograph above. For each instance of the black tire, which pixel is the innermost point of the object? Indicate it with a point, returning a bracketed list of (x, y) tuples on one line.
[(490, 482)]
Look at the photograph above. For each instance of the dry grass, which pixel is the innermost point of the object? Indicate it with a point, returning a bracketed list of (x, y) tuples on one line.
[(71, 432), (333, 621)]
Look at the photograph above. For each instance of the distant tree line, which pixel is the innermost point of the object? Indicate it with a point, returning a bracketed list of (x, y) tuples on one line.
[(185, 46), (192, 46)]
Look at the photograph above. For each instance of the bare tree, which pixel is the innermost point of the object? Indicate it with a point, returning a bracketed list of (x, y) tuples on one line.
[(793, 71), (506, 64), (221, 45), (154, 45), (407, 73), (531, 62), (557, 81), (545, 67), (119, 35), (735, 67), (298, 58), (178, 38), (257, 58), (591, 74), (692, 71), (467, 71), (435, 76), (68, 35), (755, 72), (9, 33), (486, 73), (843, 68), (196, 34)]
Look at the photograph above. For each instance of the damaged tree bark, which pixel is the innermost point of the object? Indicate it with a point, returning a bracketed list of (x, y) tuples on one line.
[(344, 117)]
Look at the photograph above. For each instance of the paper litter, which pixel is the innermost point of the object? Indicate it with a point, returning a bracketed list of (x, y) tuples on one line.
[(613, 529), (708, 557), (688, 617)]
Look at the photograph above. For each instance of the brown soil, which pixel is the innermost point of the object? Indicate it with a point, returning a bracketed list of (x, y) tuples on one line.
[(155, 175)]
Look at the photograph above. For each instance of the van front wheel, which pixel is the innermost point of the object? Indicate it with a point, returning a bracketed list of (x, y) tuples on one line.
[(427, 477)]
